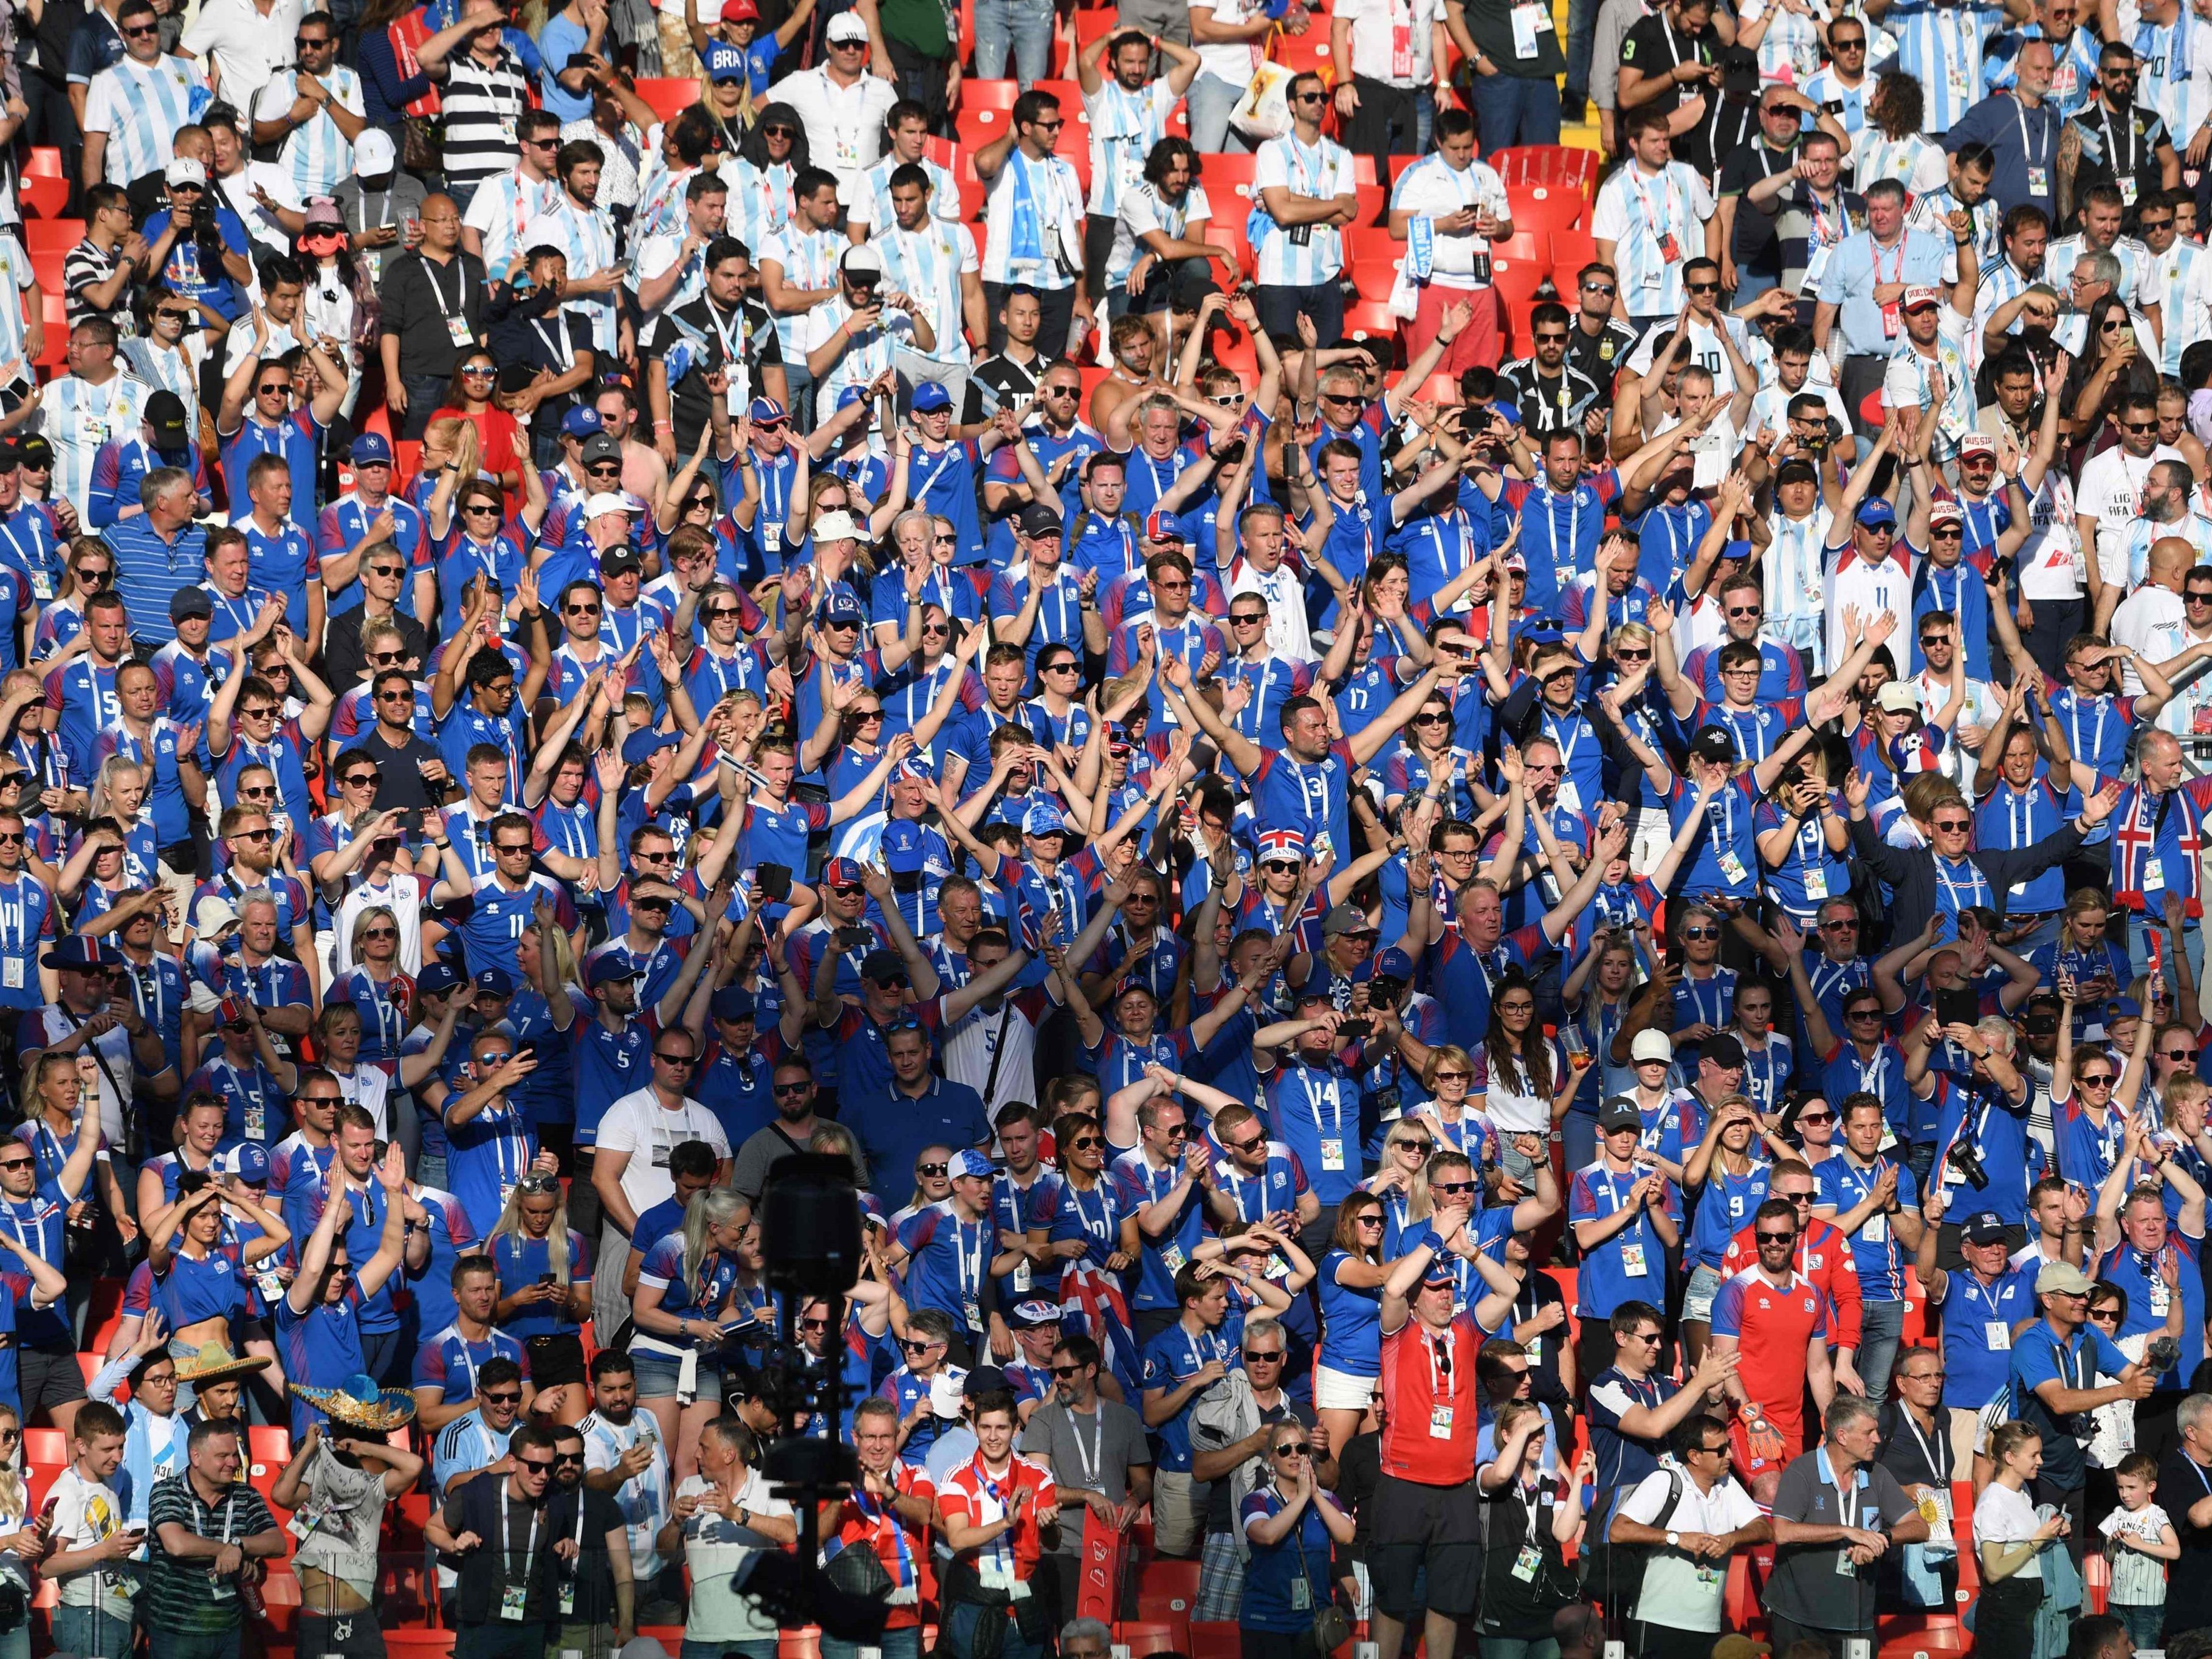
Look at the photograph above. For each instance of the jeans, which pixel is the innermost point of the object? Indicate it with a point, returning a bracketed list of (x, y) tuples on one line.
[(210, 1644), (798, 386), (2192, 941), (1209, 100), (1579, 1129), (2145, 1621), (1750, 284), (1921, 1160), (1515, 109), (1881, 1326), (425, 393), (91, 1634), (959, 1635), (1505, 1647), (431, 1171), (1582, 34), (1280, 308), (495, 1638), (1021, 27), (895, 1645), (1425, 118)]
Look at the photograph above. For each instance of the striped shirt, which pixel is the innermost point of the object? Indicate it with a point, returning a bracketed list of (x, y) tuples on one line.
[(1124, 127), (868, 351), (1142, 210), (587, 235), (1914, 161), (1655, 223), (138, 105), (316, 155), (2060, 258), (760, 204), (809, 259), (1057, 194), (503, 212), (84, 266), (874, 207), (1320, 172), (483, 107), (1790, 48), (180, 1592), (928, 265), (1941, 47), (2179, 282), (2073, 76), (1825, 88), (2170, 54), (76, 417), (15, 276)]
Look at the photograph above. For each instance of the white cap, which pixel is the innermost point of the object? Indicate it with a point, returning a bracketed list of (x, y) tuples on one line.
[(847, 25), (1897, 698), (1651, 1045), (185, 171), (835, 526), (863, 261), (944, 1394), (605, 501), (372, 155), (213, 914)]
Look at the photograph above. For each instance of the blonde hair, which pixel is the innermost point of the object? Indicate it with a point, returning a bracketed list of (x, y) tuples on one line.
[(15, 1499), (100, 803), (1419, 1206), (712, 1207), (556, 1234)]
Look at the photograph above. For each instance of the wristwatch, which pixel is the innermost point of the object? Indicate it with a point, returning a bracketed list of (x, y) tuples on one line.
[(1673, 1540)]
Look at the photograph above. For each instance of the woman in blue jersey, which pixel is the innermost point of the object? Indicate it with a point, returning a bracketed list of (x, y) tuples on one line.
[(197, 1280), (1351, 1276), (1402, 1180), (1598, 991), (544, 1292), (1093, 1235), (1731, 1179), (685, 1304)]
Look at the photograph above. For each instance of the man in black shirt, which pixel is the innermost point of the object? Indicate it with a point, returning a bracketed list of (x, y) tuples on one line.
[(2115, 141), (1751, 246), (1598, 342), (499, 1532), (1670, 61), (722, 333), (529, 328), (400, 755), (1552, 393), (1008, 377), (434, 303), (593, 1588)]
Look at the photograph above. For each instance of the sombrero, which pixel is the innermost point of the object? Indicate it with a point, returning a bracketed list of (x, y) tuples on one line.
[(214, 1362), (361, 1404)]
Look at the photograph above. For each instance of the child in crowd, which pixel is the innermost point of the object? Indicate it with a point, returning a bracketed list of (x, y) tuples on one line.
[(2142, 1541)]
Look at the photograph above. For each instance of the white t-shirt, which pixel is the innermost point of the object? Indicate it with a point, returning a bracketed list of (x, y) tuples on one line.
[(2111, 494), (2150, 620), (640, 1125), (85, 1513), (1679, 1592), (2003, 1516), (642, 1498), (402, 895), (1232, 61), (714, 1549), (1380, 28), (368, 1088)]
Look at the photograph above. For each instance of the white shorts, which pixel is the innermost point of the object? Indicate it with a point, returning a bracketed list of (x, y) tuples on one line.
[(1649, 840), (1341, 1391)]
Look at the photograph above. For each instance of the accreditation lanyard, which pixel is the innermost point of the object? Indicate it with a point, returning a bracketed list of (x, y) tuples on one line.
[(876, 1515), (967, 1268), (1333, 1094), (1091, 1467), (2027, 150), (506, 1537)]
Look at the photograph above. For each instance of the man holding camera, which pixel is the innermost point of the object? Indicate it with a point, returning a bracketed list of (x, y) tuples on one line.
[(2055, 1365), (858, 333), (2158, 1265)]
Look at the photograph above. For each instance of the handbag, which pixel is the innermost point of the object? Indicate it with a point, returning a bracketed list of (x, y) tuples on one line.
[(857, 1570), (1264, 111), (1332, 1629)]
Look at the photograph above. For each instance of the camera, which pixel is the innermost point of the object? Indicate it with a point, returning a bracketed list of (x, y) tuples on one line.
[(906, 881), (2160, 1352), (1967, 1163)]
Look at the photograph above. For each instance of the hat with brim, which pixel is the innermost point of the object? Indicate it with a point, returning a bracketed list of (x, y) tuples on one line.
[(359, 1403), (215, 1363)]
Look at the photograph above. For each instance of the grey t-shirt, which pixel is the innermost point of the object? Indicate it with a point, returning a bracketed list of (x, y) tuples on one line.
[(1092, 1453), (758, 1156), (1808, 1587), (1205, 1438), (345, 1508)]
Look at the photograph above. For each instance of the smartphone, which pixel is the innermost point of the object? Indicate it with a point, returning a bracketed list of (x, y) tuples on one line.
[(545, 1278), (774, 882), (1957, 1007), (1354, 1028), (855, 939)]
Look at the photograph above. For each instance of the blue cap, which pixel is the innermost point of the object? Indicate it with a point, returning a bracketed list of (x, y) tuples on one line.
[(581, 423), (606, 969), (2122, 1008), (1043, 819), (975, 1163), (1507, 411), (904, 845), (1544, 631), (1392, 964), (843, 607), (497, 980), (724, 61), (930, 396), (851, 395), (1032, 1313), (249, 1161), (765, 411), (371, 446), (435, 979), (1873, 514), (733, 1002), (916, 765), (640, 745)]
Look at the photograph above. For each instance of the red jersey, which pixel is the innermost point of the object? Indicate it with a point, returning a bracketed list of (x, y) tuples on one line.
[(971, 1497), (902, 1546), (1429, 1393), (1774, 1325), (1824, 1257)]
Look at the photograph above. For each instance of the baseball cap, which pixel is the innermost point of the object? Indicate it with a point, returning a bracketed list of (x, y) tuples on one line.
[(601, 446), (582, 422), (1392, 964), (607, 969), (735, 1002), (1032, 1314), (1619, 1112), (835, 526), (641, 745), (1344, 919), (740, 11), (1984, 1227), (368, 448), (847, 26), (1714, 742), (1797, 470), (904, 846), (1651, 1045), (766, 411), (212, 914), (1920, 296), (1038, 520), (2063, 1278), (2122, 1008), (1724, 1051), (1877, 514), (1946, 510), (165, 413), (985, 1379), (1897, 698), (973, 1164), (929, 397), (862, 261), (435, 979), (843, 608), (190, 602), (373, 154), (1977, 443), (1043, 819), (496, 981), (184, 171), (249, 1161), (842, 872), (882, 967), (726, 61), (1163, 527)]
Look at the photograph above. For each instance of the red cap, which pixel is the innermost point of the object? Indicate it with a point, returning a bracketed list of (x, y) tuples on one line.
[(740, 11)]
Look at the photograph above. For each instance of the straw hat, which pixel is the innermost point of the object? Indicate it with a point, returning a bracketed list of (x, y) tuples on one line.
[(361, 1404), (215, 1363)]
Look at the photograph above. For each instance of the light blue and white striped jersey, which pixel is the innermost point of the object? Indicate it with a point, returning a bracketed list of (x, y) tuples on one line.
[(2058, 261), (760, 204), (809, 259), (1321, 171), (1914, 161), (1144, 209), (1913, 380), (1826, 87), (2073, 73), (2167, 55), (1791, 43), (1054, 195), (654, 257), (868, 352), (1931, 213), (139, 107), (926, 265), (14, 278), (587, 235), (316, 155), (1655, 223), (76, 417), (873, 209), (1941, 47), (2000, 283), (1124, 127), (2180, 283), (503, 211)]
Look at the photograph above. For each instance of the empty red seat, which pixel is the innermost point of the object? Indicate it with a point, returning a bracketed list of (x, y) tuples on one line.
[(669, 97)]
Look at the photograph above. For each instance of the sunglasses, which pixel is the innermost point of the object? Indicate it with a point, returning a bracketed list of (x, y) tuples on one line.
[(917, 1346), (1085, 1144), (931, 1169), (790, 1090), (1777, 1238)]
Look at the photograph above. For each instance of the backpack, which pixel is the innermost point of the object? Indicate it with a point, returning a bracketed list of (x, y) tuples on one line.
[(1614, 1573)]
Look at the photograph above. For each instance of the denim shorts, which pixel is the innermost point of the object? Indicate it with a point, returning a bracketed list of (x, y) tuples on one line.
[(657, 1374)]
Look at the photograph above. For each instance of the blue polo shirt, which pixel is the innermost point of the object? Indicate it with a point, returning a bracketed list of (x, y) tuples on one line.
[(1852, 273), (148, 568)]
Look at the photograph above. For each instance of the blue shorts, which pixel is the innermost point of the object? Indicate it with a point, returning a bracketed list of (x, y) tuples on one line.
[(657, 1374)]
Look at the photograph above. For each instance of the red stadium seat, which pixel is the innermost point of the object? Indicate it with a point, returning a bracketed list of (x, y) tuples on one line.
[(1090, 26), (1362, 169), (418, 1644), (1373, 279), (57, 235), (1373, 198), (988, 94), (46, 269), (1545, 209), (1370, 320), (1305, 52), (1547, 164), (1227, 178), (46, 1448), (979, 127), (46, 162), (1142, 1636), (43, 195), (1518, 278), (669, 98), (1167, 1590), (268, 1446)]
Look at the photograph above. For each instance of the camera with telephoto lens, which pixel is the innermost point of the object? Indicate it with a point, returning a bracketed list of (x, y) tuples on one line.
[(1967, 1163)]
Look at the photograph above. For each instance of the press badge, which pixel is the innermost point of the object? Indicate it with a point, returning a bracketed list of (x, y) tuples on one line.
[(11, 973), (2127, 185), (2039, 181), (1876, 1230), (1731, 866), (1171, 1257), (2161, 1298), (511, 1600), (256, 1118), (1997, 1335), (1526, 1563), (1331, 1153), (1301, 1594), (1816, 883), (1632, 1261), (458, 329), (567, 1600), (1526, 22), (1440, 1422), (2153, 873), (1021, 1275)]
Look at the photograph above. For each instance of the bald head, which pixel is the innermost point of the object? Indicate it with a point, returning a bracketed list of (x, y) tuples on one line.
[(442, 224), (2170, 560)]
